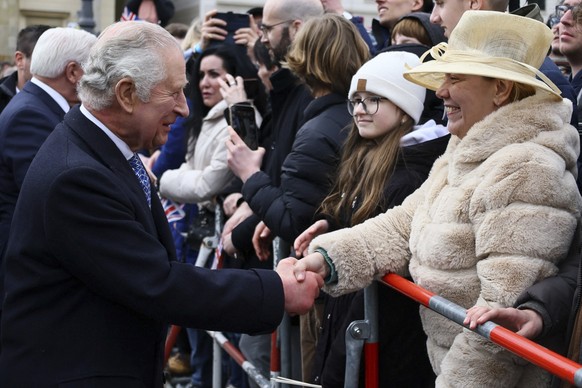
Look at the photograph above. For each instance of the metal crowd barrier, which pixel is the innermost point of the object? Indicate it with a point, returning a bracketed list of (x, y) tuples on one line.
[(554, 363), (362, 335)]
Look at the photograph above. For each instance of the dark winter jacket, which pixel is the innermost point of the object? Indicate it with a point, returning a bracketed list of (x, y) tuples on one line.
[(7, 89), (289, 99), (307, 172)]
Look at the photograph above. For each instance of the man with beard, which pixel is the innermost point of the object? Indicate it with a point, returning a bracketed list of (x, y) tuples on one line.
[(289, 97)]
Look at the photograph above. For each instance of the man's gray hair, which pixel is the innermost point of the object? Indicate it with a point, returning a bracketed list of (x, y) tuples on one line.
[(58, 46), (132, 50)]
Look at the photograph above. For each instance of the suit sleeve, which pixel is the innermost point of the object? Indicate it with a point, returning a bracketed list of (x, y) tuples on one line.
[(107, 247)]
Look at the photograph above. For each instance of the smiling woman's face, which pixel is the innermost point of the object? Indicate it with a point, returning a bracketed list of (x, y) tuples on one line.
[(468, 99)]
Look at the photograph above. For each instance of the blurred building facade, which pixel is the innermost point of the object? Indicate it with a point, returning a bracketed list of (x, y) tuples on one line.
[(17, 14)]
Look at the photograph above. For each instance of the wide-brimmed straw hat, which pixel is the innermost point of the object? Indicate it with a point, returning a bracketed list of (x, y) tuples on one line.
[(490, 44)]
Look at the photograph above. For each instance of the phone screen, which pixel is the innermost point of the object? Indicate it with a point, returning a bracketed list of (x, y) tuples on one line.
[(242, 119)]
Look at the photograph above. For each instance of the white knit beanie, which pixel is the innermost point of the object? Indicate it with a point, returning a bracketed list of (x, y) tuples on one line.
[(382, 75)]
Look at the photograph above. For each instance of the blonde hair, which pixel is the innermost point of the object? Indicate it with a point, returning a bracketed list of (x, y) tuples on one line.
[(193, 35), (520, 91), (327, 52)]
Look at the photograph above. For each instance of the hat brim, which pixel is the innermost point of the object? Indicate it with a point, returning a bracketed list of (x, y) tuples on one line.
[(431, 75)]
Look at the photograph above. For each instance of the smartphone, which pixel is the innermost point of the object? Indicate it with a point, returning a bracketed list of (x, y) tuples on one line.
[(234, 21), (242, 119)]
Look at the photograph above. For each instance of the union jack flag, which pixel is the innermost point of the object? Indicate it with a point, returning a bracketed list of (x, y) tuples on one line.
[(127, 15), (174, 211)]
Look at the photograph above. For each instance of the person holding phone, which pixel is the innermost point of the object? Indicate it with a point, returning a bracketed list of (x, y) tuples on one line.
[(326, 52), (229, 28)]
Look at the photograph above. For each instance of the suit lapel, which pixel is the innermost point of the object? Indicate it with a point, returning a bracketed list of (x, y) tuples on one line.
[(95, 142), (99, 145), (35, 90)]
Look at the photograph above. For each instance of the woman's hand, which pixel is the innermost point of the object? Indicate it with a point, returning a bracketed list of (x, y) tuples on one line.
[(232, 90), (311, 263), (243, 161), (262, 241), (302, 242), (526, 322), (212, 29)]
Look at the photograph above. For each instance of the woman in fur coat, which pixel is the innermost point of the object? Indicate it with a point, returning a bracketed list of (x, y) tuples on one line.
[(499, 209)]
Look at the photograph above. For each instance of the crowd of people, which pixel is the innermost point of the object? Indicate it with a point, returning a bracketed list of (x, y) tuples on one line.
[(440, 144)]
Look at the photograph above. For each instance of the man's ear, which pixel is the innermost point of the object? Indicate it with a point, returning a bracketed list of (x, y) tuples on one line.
[(126, 95), (19, 59), (73, 72), (294, 28)]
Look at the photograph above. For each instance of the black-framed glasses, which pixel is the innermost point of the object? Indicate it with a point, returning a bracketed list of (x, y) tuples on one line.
[(370, 104), (266, 29), (562, 9)]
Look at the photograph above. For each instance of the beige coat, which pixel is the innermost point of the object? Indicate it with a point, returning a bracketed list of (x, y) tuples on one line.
[(496, 214), (205, 173)]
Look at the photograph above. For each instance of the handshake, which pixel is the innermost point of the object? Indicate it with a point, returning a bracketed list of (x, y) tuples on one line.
[(302, 280)]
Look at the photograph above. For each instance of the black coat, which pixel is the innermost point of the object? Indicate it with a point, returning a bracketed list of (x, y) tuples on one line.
[(402, 343), (307, 172), (7, 89), (289, 99), (91, 276)]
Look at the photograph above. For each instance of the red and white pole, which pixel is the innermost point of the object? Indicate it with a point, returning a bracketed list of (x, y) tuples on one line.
[(536, 354)]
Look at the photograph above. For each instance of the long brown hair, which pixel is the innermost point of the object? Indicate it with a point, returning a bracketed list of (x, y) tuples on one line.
[(366, 165)]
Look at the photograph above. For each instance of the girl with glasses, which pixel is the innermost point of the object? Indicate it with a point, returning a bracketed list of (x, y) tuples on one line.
[(385, 158)]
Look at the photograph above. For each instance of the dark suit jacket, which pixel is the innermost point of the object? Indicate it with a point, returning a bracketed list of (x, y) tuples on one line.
[(91, 279), (25, 124)]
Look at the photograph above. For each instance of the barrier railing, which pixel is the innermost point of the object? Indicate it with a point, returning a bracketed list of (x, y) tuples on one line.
[(364, 334), (536, 354)]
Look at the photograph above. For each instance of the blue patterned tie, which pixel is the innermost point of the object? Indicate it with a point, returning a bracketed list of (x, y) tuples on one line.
[(142, 176)]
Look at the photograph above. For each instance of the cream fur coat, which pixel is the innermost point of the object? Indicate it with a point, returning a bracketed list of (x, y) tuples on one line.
[(496, 215)]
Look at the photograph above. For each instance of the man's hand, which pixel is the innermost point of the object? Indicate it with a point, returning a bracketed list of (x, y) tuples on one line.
[(526, 323), (262, 241), (243, 161), (304, 239), (229, 203), (228, 246), (299, 296), (241, 213)]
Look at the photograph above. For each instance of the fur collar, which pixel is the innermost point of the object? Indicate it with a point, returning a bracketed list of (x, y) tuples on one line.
[(534, 119)]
